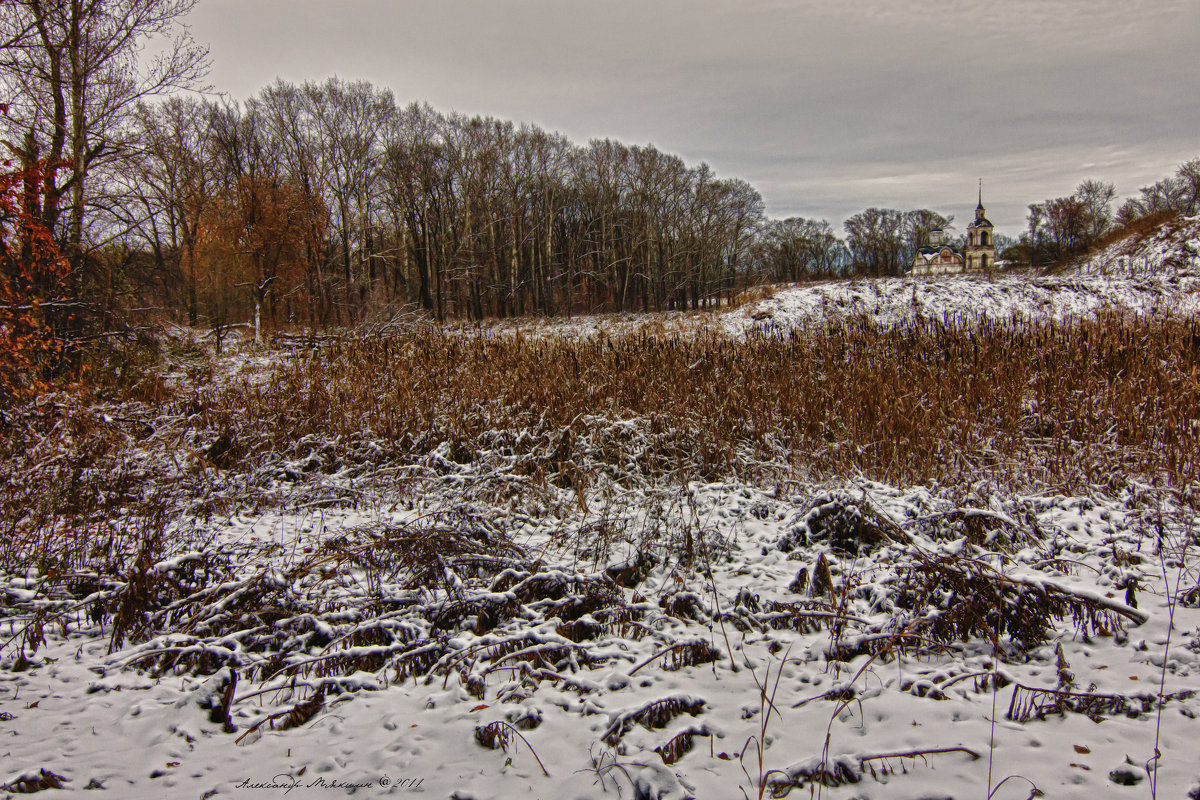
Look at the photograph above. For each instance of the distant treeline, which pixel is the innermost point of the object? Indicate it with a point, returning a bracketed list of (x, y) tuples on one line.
[(324, 204), (329, 204), (1063, 227)]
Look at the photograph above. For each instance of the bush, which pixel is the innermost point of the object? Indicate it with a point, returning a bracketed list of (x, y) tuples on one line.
[(33, 275)]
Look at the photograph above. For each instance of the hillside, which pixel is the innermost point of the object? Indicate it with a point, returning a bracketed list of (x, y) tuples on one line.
[(891, 301), (1152, 274), (1171, 249)]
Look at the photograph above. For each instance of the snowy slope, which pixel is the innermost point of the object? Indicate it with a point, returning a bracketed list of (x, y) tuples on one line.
[(891, 301), (1172, 248), (1154, 274)]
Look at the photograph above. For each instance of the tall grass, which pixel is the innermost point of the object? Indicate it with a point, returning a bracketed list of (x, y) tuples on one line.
[(1052, 404)]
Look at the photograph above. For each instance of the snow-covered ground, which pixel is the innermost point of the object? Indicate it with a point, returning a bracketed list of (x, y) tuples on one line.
[(1156, 275), (892, 301), (457, 630), (596, 679), (1170, 249)]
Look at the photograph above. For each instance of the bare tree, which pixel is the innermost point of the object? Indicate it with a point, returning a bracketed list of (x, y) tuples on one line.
[(73, 68), (1095, 200), (169, 185), (743, 216), (875, 238), (918, 225), (348, 119), (415, 184), (1066, 226), (795, 249), (1188, 179)]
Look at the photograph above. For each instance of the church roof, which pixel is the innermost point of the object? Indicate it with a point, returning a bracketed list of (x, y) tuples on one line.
[(980, 222), (943, 254)]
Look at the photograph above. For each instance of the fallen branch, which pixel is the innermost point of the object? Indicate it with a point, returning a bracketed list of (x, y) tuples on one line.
[(919, 753)]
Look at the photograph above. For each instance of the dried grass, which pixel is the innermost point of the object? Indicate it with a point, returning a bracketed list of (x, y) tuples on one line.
[(1030, 702), (1015, 402), (1063, 404)]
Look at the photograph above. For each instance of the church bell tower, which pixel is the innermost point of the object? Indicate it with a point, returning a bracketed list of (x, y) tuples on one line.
[(981, 244)]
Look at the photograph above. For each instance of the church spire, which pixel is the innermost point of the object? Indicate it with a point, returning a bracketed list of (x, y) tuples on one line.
[(980, 206)]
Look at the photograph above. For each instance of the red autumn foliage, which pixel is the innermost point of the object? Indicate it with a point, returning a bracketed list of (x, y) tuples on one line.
[(32, 281)]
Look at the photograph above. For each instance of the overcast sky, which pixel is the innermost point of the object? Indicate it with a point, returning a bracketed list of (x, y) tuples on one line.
[(825, 106)]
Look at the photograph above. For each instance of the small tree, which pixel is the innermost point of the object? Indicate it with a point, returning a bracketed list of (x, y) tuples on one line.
[(1095, 202), (33, 276), (875, 238), (255, 237)]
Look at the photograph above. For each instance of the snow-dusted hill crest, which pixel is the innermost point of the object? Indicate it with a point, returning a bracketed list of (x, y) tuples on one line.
[(1172, 247), (1082, 292), (891, 301)]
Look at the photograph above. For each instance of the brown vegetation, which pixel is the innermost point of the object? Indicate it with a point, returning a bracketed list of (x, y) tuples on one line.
[(33, 277), (1042, 403)]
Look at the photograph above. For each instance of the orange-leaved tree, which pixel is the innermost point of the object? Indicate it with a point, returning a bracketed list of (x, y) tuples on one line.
[(262, 238), (33, 300)]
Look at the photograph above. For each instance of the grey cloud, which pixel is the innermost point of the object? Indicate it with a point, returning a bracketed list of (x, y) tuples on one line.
[(826, 106)]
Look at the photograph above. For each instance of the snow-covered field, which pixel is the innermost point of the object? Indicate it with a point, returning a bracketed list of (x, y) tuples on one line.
[(891, 301), (451, 629), (598, 680)]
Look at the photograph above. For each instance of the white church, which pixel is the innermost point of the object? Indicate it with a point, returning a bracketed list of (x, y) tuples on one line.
[(979, 254)]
